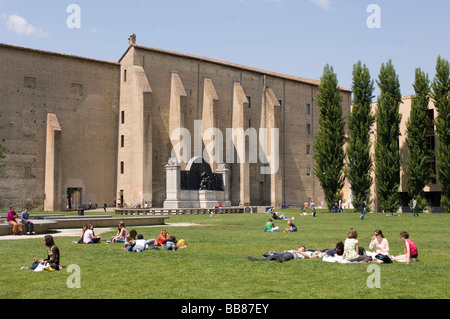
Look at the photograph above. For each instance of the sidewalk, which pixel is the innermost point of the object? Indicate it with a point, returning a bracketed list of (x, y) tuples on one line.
[(76, 232)]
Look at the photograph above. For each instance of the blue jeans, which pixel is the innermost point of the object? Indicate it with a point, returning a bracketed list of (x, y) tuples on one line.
[(362, 214), (29, 226)]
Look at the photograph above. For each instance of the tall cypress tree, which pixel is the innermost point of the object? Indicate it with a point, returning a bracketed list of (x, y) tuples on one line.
[(417, 170), (329, 141), (387, 155), (360, 121), (441, 98)]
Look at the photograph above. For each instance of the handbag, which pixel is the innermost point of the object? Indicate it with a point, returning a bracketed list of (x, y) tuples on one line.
[(384, 258)]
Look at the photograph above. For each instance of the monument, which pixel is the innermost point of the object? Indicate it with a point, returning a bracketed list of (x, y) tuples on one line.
[(197, 186)]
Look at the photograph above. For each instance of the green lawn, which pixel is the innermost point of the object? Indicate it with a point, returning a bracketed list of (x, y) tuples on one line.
[(215, 264)]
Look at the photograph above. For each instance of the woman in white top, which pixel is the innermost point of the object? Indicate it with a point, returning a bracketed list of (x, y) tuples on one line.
[(351, 246), (89, 236), (380, 243)]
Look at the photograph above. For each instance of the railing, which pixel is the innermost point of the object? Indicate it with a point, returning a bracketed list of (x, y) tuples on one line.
[(181, 211)]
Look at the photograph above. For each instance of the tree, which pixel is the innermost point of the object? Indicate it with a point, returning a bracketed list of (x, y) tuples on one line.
[(441, 98), (360, 121), (417, 168), (329, 141), (387, 155)]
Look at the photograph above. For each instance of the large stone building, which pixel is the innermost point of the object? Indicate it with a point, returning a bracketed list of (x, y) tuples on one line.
[(79, 130), (59, 125)]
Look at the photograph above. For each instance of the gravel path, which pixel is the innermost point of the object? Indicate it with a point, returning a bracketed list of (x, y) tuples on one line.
[(73, 232)]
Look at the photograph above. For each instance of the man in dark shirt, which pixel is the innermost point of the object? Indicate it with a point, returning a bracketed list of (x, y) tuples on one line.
[(362, 208)]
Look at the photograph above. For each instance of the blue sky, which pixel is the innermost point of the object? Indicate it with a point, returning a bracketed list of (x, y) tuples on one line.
[(295, 37)]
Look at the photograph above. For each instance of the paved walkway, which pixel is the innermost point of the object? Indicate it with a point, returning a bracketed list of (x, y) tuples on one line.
[(76, 232)]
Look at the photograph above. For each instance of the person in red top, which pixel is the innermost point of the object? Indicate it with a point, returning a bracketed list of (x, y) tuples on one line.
[(11, 219), (411, 252), (163, 236)]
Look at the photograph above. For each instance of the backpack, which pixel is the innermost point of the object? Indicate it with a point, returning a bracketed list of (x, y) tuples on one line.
[(384, 258)]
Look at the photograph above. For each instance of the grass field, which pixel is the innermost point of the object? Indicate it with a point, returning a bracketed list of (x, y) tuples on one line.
[(215, 264)]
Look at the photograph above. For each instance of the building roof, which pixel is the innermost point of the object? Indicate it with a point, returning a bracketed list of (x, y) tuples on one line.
[(185, 55), (9, 46), (230, 64)]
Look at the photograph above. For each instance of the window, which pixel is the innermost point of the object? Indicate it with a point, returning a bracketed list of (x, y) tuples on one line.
[(308, 108), (122, 140), (432, 168), (122, 169), (249, 101), (77, 89), (30, 82), (430, 124), (308, 129), (308, 171), (28, 172), (122, 117), (308, 149), (431, 143), (124, 75)]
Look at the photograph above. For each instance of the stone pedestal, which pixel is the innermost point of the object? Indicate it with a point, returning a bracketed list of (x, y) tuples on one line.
[(178, 198), (173, 184)]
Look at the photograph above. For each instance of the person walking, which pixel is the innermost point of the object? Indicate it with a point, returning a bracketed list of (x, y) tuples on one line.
[(340, 209), (414, 208), (313, 207), (362, 208)]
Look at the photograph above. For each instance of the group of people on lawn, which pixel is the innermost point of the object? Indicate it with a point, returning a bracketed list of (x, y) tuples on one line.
[(133, 242), (349, 251)]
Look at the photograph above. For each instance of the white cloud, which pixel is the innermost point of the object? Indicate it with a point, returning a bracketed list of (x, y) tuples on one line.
[(21, 26), (324, 4)]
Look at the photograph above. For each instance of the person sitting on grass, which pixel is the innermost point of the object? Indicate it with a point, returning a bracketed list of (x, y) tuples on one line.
[(161, 240), (80, 241), (53, 256), (291, 227), (282, 256), (89, 236), (270, 227), (130, 237), (120, 236), (351, 246), (411, 252)]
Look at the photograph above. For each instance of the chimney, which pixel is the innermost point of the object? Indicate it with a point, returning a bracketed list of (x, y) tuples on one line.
[(132, 39)]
